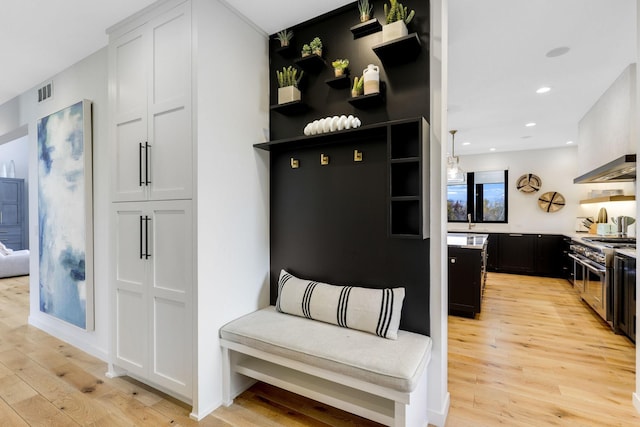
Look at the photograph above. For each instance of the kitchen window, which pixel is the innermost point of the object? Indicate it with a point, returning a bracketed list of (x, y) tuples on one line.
[(483, 196)]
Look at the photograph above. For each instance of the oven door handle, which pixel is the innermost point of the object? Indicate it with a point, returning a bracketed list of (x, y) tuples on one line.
[(575, 258), (595, 269), (588, 265)]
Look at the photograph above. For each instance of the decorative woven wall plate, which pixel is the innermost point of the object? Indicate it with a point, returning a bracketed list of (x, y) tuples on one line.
[(551, 201), (529, 183)]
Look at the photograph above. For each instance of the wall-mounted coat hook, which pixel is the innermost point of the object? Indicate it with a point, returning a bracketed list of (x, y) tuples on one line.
[(295, 163), (324, 160), (357, 156)]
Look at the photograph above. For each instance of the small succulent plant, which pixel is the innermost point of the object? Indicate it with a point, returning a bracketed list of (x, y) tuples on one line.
[(285, 37), (365, 10), (397, 12), (289, 76), (340, 63), (306, 50), (358, 86), (316, 46)]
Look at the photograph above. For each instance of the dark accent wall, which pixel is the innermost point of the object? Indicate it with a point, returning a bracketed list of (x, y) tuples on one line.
[(330, 222), (406, 86)]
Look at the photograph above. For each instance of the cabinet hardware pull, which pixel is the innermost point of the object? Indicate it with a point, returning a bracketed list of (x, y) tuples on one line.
[(146, 237), (324, 160), (357, 156), (146, 163), (140, 164), (295, 163), (141, 253), (515, 235)]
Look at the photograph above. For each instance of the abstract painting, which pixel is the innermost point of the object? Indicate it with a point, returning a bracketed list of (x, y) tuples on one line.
[(65, 215)]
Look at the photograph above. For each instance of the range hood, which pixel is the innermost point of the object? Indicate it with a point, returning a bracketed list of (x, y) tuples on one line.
[(622, 169)]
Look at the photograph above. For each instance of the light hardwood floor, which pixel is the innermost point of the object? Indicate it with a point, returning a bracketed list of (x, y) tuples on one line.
[(536, 356)]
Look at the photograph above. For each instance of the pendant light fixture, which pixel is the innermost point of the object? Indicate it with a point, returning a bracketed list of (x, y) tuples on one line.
[(455, 174)]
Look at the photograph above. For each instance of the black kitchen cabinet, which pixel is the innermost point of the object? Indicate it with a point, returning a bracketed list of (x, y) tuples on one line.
[(548, 255), (492, 252), (531, 254), (624, 296), (466, 280), (516, 253), (566, 268)]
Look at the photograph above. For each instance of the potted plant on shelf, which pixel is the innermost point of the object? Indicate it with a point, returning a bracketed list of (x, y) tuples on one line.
[(288, 81), (316, 46), (397, 17), (358, 86), (365, 10), (339, 66), (306, 50), (285, 37)]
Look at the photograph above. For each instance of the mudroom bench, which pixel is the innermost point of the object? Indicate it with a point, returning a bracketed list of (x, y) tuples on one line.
[(384, 380)]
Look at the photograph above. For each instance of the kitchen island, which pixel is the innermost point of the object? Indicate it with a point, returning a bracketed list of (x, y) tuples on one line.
[(467, 272)]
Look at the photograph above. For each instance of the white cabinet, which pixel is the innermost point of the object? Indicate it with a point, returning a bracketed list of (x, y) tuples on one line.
[(150, 75), (153, 292), (152, 260)]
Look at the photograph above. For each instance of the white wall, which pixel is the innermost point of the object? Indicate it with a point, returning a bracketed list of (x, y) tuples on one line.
[(607, 130), (439, 398), (232, 184), (556, 168), (18, 152), (85, 80)]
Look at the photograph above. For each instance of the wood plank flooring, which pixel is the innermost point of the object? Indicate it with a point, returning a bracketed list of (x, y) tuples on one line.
[(536, 356)]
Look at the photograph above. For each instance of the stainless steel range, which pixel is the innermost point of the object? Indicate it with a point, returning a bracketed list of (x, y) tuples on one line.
[(593, 260)]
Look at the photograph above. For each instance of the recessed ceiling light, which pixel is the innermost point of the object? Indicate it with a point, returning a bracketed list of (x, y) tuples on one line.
[(558, 51), (492, 149), (466, 143), (530, 124), (543, 89), (569, 142)]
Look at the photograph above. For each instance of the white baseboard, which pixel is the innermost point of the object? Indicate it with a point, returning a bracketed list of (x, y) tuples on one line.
[(636, 401), (439, 417), (200, 414), (58, 332)]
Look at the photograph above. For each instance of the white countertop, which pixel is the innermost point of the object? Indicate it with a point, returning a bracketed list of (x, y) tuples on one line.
[(467, 240), (628, 252)]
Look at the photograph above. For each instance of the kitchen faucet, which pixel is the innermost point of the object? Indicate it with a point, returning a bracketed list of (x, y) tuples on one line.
[(470, 225)]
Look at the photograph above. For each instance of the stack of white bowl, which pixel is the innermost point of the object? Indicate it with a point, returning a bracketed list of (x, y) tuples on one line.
[(331, 124)]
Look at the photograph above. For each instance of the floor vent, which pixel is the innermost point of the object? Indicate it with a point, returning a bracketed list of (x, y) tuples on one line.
[(45, 92)]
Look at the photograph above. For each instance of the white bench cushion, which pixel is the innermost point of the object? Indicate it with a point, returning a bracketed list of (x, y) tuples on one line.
[(395, 364)]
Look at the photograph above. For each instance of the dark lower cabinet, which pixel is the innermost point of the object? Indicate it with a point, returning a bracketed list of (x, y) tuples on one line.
[(624, 296), (516, 253), (548, 255), (466, 280), (532, 254)]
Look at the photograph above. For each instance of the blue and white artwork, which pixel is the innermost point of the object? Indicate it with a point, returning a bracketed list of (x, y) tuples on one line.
[(65, 215)]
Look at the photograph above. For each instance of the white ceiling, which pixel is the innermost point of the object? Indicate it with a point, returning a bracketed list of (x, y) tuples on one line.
[(497, 62), (497, 56)]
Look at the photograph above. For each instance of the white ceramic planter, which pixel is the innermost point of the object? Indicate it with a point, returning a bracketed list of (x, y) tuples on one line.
[(393, 31), (288, 94)]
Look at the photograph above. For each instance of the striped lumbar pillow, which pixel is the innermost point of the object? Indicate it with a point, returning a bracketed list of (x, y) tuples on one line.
[(370, 310)]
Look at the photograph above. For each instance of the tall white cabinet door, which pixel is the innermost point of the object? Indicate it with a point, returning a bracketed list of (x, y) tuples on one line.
[(170, 155), (171, 289), (129, 69), (131, 293)]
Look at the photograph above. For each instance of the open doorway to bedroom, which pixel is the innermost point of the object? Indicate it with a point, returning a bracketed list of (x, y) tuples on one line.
[(14, 204)]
